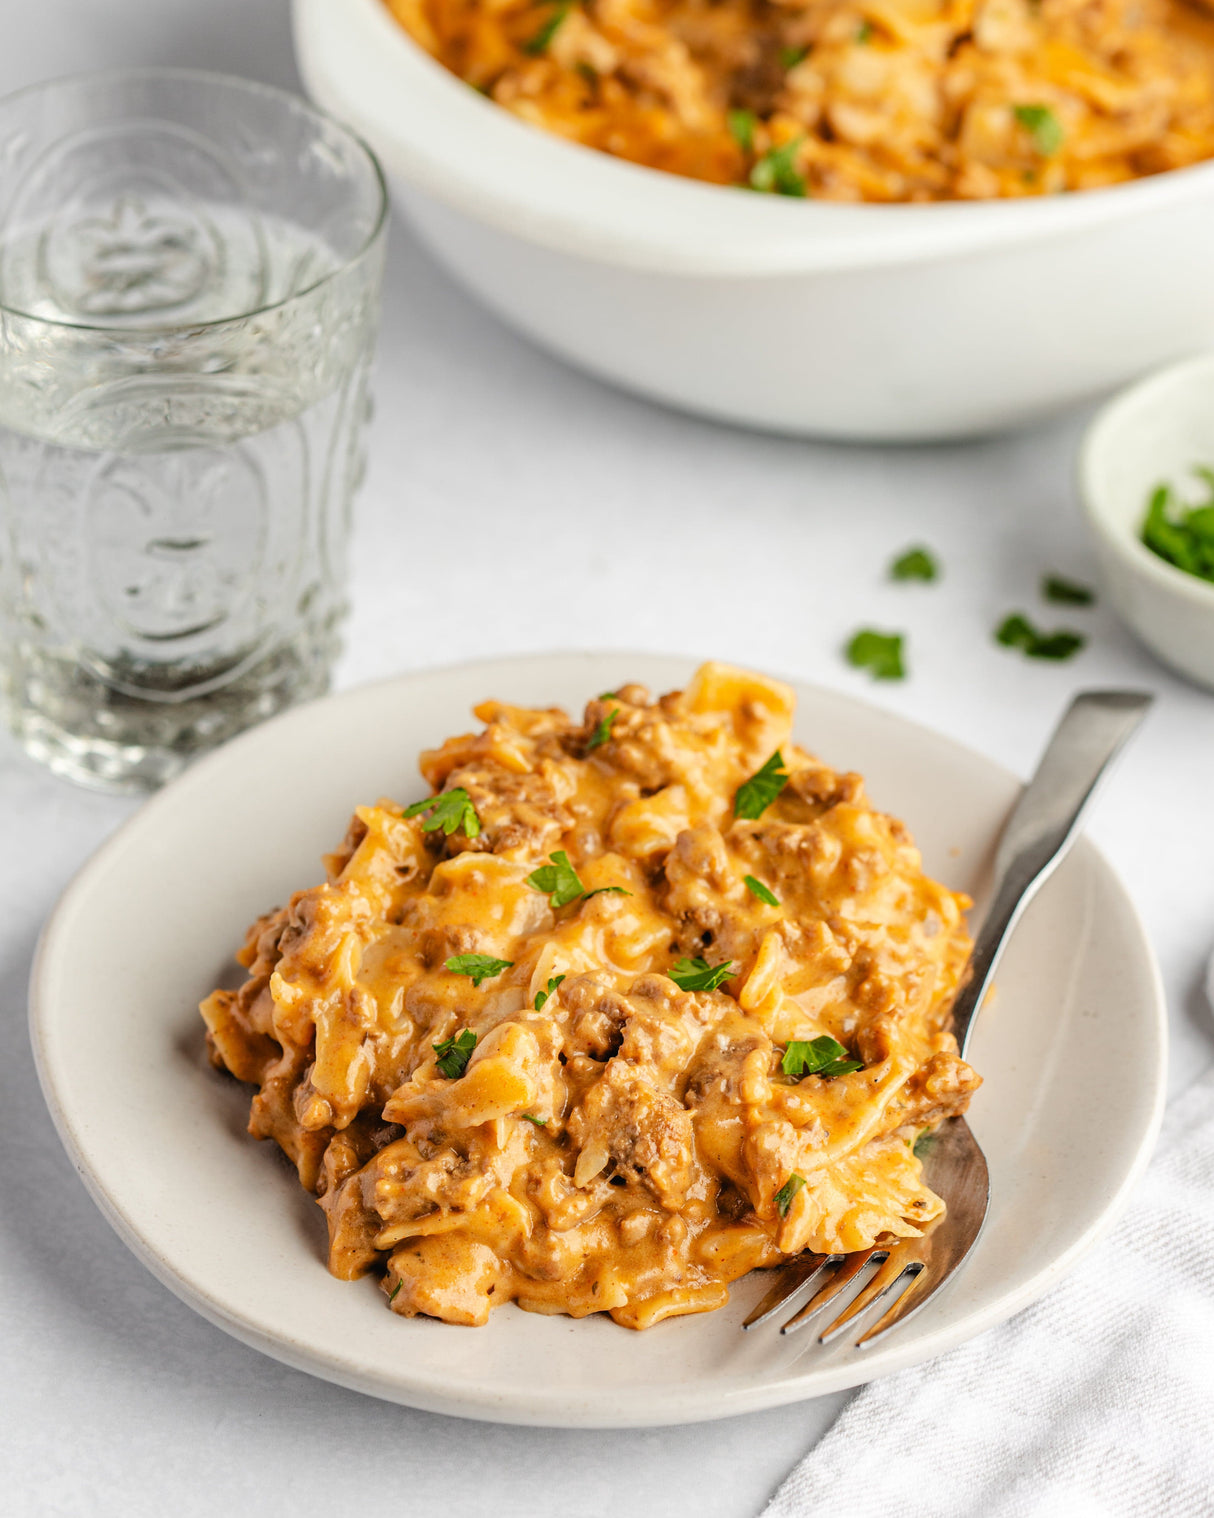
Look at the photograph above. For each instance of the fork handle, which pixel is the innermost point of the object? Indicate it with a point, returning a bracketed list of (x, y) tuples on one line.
[(1044, 823)]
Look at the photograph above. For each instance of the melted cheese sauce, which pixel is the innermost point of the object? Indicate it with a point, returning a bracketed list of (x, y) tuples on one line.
[(626, 1146)]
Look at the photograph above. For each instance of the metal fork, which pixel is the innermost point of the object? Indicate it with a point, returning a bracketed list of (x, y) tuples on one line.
[(1042, 826)]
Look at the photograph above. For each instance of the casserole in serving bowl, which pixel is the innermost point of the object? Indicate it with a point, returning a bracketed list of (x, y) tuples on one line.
[(855, 321)]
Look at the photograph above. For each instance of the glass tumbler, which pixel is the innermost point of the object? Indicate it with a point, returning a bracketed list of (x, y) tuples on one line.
[(189, 279)]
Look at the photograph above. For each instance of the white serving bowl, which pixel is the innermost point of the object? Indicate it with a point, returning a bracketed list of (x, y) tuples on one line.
[(1149, 435), (886, 322)]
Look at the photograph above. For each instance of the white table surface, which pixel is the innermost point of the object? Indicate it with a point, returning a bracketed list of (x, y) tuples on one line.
[(584, 519)]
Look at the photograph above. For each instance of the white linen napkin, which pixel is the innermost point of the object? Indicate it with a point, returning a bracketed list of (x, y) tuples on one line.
[(1096, 1402)]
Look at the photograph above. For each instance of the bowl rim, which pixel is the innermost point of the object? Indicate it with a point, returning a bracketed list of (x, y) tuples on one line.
[(237, 84), (1099, 442), (444, 139)]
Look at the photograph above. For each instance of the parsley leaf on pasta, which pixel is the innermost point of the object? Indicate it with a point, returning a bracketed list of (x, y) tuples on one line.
[(537, 43), (755, 795), (530, 1117), (786, 1193), (761, 892), (791, 56), (776, 172), (477, 967), (1042, 126), (451, 810), (698, 975), (602, 733), (454, 1053), (542, 996), (742, 129), (558, 880), (817, 1056)]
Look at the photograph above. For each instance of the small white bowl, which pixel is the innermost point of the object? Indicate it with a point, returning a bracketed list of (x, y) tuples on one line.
[(1151, 434)]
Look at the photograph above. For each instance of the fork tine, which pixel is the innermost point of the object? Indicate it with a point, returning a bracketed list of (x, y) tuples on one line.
[(849, 1269), (793, 1278), (897, 1270), (922, 1285)]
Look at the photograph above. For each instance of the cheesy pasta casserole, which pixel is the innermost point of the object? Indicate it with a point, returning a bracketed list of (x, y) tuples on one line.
[(851, 100), (626, 1007)]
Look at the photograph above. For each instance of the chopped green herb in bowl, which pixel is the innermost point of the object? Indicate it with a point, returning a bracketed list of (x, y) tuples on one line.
[(1182, 534)]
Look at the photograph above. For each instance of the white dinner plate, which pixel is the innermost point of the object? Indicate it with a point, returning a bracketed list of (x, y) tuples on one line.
[(1072, 1048)]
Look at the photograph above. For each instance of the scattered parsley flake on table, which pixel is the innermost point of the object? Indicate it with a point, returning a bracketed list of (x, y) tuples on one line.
[(824, 1056), (698, 975), (915, 564), (786, 1193), (1016, 631), (880, 653), (451, 810), (454, 1053), (761, 892), (1064, 592), (755, 795), (477, 967)]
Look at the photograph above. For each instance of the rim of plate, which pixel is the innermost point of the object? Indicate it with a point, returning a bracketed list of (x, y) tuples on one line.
[(911, 1346)]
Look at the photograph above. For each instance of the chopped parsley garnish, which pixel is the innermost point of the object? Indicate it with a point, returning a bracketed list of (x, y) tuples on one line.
[(1183, 535), (454, 1053), (817, 1056), (923, 1144), (760, 891), (1016, 631), (698, 975), (742, 128), (755, 795), (477, 967), (786, 1193), (603, 732), (452, 810), (542, 996), (864, 33), (559, 882), (879, 653), (1042, 126), (914, 564), (1065, 592), (776, 172), (395, 1289), (538, 42), (530, 1117), (791, 56)]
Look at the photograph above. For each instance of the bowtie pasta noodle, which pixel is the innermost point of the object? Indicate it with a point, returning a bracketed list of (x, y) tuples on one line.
[(544, 1037)]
